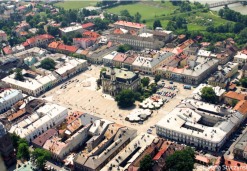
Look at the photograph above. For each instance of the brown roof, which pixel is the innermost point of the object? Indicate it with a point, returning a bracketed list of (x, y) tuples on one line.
[(73, 116), (235, 95), (40, 140), (241, 106), (130, 59), (16, 114)]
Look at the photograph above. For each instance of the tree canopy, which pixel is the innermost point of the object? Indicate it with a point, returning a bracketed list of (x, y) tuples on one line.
[(145, 81), (181, 160), (23, 150), (156, 23), (126, 98), (157, 78), (244, 82), (18, 74), (208, 95), (146, 163), (48, 64), (124, 48), (40, 156)]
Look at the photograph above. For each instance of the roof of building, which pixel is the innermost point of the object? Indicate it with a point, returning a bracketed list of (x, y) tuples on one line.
[(197, 92), (241, 55), (235, 95), (241, 106), (120, 57), (37, 38), (7, 50), (40, 140), (130, 24), (87, 25), (30, 83), (130, 59), (130, 153), (30, 124), (71, 28), (185, 118), (91, 34), (68, 48), (203, 159)]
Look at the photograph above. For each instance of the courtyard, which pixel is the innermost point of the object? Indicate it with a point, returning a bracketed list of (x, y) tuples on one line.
[(80, 93)]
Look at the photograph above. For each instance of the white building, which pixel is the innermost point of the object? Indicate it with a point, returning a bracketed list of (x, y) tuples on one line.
[(9, 97), (33, 83), (130, 153), (240, 58), (42, 119), (71, 66), (107, 60), (71, 29), (199, 124), (204, 53)]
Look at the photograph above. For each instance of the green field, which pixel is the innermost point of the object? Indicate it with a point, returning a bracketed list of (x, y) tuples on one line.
[(148, 10), (75, 4)]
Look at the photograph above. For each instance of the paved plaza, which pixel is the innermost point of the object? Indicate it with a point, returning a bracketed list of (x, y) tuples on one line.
[(80, 93)]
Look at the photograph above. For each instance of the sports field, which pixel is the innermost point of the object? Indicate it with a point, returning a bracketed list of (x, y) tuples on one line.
[(75, 4)]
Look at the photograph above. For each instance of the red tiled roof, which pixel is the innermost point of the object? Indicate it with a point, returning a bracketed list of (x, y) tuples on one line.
[(235, 95), (120, 57), (7, 50), (85, 26), (34, 39), (241, 106), (68, 48), (163, 149), (53, 45), (129, 24), (91, 34)]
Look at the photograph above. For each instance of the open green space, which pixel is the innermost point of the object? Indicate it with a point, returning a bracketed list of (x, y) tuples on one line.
[(75, 4), (148, 10)]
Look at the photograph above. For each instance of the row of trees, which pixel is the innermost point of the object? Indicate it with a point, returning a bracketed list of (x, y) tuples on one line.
[(182, 160), (38, 156), (125, 15)]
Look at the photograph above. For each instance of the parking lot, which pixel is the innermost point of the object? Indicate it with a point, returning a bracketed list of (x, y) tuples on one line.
[(80, 93)]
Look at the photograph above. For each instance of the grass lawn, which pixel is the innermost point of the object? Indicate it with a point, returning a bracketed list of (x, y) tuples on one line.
[(148, 10), (75, 4), (195, 27)]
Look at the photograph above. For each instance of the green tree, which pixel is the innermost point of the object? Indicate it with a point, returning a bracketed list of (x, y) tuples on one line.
[(157, 78), (146, 163), (39, 157), (145, 81), (48, 64), (234, 102), (124, 48), (54, 31), (244, 82), (126, 98), (181, 160), (208, 95), (137, 17), (23, 151), (18, 74), (156, 23)]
